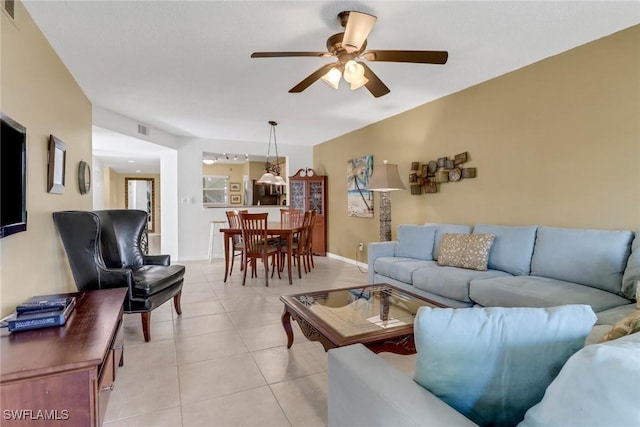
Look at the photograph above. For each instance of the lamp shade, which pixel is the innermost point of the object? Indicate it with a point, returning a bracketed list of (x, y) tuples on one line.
[(267, 178), (278, 180), (385, 178), (353, 71), (332, 78), (358, 84)]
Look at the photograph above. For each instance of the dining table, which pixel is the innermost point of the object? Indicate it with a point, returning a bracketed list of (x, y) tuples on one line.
[(284, 230)]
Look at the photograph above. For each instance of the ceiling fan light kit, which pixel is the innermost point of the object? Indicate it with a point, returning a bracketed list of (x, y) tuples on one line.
[(349, 46)]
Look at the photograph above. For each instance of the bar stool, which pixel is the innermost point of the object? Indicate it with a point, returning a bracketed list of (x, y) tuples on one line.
[(214, 230)]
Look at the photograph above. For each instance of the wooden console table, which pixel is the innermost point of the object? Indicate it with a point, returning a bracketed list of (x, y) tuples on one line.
[(63, 376)]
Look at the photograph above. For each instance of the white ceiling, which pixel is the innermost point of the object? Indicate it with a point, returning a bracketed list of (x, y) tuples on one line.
[(184, 66)]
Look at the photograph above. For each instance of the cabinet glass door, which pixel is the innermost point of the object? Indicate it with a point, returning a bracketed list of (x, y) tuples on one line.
[(298, 195), (315, 197)]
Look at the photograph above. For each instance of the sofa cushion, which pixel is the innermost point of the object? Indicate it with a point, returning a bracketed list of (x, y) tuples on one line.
[(442, 229), (450, 282), (613, 315), (594, 258), (627, 326), (415, 241), (631, 276), (512, 247), (151, 279), (383, 265), (533, 291), (465, 250), (403, 271), (492, 364), (598, 386)]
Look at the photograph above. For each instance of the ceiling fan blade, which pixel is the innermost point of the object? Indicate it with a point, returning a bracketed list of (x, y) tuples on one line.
[(287, 54), (311, 78), (357, 30), (374, 85), (417, 56)]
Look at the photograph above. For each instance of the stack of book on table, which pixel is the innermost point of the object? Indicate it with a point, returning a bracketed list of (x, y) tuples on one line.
[(40, 312)]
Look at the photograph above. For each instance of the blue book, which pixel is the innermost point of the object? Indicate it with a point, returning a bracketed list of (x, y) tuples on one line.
[(40, 319), (42, 304)]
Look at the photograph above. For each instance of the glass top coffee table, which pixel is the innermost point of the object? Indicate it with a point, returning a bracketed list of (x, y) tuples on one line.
[(379, 316)]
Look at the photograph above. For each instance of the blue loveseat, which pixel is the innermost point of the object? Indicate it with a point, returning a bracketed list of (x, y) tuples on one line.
[(528, 266)]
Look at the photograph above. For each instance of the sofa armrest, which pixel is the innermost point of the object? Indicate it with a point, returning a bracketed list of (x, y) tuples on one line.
[(377, 250), (366, 391)]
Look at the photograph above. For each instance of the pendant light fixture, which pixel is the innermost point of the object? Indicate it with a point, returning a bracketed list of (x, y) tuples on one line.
[(272, 171)]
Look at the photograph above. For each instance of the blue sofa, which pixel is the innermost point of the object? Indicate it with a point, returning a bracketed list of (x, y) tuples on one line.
[(528, 266), (532, 266)]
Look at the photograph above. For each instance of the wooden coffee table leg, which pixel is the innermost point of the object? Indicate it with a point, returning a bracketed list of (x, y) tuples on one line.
[(404, 345), (286, 324)]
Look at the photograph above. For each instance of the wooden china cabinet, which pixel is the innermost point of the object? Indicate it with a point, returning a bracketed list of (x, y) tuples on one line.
[(308, 191)]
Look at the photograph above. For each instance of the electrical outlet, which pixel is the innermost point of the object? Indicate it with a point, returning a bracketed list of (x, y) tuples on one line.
[(360, 246)]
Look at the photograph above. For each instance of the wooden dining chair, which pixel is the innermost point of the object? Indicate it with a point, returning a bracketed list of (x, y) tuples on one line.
[(299, 248), (256, 244), (237, 246), (290, 216)]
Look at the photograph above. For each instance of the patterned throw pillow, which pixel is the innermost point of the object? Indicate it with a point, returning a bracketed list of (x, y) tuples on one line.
[(465, 250), (627, 326)]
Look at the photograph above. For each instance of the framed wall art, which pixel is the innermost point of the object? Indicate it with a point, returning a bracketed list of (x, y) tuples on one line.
[(359, 200), (234, 186), (56, 165), (236, 199)]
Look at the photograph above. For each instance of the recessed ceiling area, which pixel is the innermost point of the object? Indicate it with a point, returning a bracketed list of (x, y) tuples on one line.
[(125, 154)]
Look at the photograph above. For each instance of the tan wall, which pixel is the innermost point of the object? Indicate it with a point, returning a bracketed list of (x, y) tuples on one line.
[(38, 92), (256, 169), (555, 143)]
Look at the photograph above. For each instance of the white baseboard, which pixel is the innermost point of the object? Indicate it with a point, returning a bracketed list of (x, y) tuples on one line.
[(362, 265), (348, 260)]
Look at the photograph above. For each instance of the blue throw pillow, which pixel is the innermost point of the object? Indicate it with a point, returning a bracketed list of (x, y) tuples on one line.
[(415, 241), (493, 364), (512, 247)]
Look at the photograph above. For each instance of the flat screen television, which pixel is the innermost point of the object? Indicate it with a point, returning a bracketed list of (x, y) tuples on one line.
[(13, 177)]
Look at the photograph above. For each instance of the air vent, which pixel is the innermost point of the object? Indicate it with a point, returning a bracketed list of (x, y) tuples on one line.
[(10, 7), (143, 130)]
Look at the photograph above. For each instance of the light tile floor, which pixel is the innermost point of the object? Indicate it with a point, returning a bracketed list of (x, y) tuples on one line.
[(224, 362)]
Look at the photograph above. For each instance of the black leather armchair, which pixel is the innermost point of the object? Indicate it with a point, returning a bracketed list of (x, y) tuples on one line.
[(103, 248)]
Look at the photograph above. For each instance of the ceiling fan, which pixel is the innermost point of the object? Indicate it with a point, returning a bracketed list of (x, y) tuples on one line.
[(348, 47)]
